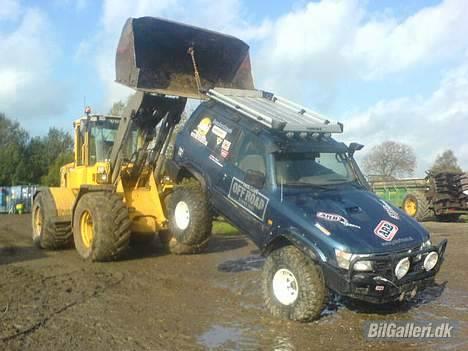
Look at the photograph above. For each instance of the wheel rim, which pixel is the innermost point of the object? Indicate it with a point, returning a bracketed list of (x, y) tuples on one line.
[(285, 286), (37, 220), (411, 207), (86, 229), (182, 215)]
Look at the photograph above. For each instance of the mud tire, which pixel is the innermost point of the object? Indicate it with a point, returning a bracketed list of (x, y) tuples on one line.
[(52, 235), (423, 210), (193, 237), (312, 291), (111, 226)]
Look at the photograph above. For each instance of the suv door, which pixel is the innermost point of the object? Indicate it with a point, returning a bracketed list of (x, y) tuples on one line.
[(244, 196)]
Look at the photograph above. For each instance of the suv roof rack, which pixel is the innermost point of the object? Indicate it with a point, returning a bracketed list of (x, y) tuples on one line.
[(274, 112)]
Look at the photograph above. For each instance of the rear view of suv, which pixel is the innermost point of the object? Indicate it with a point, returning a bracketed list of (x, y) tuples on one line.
[(273, 170)]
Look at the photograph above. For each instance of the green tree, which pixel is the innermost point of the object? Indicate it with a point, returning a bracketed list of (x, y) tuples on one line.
[(13, 141), (52, 178), (446, 162)]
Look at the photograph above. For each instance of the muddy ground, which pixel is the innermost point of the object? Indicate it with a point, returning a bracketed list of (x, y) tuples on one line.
[(155, 301)]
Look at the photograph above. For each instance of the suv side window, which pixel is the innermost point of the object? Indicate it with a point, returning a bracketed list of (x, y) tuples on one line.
[(251, 155)]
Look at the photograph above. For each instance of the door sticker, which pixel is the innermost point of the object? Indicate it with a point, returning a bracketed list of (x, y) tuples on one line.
[(390, 211), (249, 198), (333, 217), (386, 230)]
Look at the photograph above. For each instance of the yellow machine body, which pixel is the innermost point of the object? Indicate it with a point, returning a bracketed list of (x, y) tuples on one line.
[(88, 171)]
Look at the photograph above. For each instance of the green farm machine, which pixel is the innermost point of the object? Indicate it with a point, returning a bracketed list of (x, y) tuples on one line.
[(442, 196)]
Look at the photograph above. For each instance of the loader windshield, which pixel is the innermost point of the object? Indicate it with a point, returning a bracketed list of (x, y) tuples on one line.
[(313, 168), (102, 136)]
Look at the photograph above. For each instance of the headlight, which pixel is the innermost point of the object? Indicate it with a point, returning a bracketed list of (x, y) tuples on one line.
[(431, 260), (344, 259), (402, 267)]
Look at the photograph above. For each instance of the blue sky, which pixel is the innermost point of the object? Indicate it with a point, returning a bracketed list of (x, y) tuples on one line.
[(387, 69)]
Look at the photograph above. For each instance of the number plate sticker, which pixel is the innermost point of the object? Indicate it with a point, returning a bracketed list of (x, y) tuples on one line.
[(386, 230)]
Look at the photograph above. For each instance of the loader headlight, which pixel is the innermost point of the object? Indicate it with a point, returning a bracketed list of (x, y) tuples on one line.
[(402, 267), (431, 260), (344, 259), (101, 175)]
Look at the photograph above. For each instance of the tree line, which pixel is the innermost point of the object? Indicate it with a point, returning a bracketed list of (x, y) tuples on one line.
[(32, 160), (390, 160)]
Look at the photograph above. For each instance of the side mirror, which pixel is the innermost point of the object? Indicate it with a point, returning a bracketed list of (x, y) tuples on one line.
[(255, 178), (353, 147)]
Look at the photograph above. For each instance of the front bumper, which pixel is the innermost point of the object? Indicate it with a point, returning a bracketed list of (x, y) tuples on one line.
[(381, 284)]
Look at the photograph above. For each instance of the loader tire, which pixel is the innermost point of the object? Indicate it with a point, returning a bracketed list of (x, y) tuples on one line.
[(293, 285), (101, 226), (48, 233), (190, 220), (416, 205)]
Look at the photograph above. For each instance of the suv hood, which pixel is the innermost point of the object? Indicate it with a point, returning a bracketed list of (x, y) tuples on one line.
[(357, 220)]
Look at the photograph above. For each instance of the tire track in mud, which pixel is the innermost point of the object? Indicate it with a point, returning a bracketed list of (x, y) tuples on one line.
[(44, 297)]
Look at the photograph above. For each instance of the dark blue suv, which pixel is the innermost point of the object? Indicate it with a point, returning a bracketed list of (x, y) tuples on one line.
[(300, 196)]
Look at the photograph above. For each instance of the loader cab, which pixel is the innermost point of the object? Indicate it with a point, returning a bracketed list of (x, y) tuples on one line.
[(94, 139)]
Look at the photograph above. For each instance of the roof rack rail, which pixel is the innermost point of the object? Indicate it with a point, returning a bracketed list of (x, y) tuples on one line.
[(274, 112)]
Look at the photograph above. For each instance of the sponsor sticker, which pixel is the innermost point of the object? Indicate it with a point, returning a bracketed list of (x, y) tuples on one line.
[(225, 148), (322, 229), (249, 198), (386, 230), (202, 130), (333, 217), (390, 211), (215, 160), (221, 125), (219, 132)]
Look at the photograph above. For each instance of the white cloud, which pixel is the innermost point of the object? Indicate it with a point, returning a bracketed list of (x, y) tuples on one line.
[(314, 49), (429, 124), (328, 42), (27, 58)]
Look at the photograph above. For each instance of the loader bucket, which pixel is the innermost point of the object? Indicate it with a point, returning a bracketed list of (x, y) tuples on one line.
[(152, 56)]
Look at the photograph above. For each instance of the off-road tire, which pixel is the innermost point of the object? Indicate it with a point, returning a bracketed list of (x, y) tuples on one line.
[(195, 236), (52, 234), (312, 291), (423, 210), (111, 226)]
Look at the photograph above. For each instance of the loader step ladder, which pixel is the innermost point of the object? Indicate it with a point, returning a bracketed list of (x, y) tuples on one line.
[(274, 112)]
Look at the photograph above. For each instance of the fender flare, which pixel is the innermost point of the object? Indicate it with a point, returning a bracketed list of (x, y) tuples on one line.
[(197, 174), (300, 241)]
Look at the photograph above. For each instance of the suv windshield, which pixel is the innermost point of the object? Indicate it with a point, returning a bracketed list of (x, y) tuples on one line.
[(313, 168)]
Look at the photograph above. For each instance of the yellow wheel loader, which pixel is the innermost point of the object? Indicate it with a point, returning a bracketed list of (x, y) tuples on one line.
[(116, 187)]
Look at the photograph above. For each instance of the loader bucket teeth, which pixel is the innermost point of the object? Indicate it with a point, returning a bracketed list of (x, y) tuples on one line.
[(152, 56)]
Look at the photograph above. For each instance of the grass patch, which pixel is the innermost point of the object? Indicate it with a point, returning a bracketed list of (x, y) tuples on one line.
[(221, 227)]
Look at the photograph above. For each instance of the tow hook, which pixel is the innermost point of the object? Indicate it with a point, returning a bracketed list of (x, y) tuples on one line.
[(385, 280)]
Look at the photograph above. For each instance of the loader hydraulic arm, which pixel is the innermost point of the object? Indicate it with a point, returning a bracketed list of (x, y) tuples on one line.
[(144, 112)]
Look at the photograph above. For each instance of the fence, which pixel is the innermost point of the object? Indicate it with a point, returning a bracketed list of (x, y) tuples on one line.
[(14, 195)]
